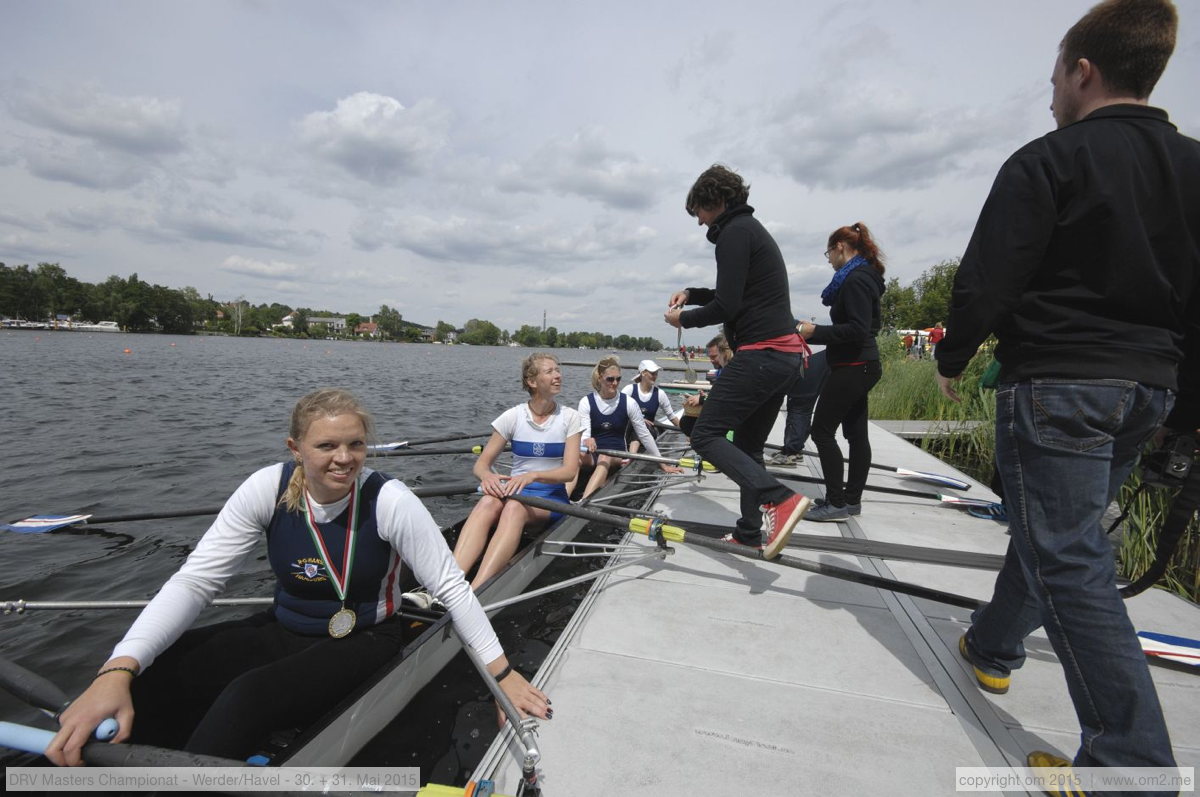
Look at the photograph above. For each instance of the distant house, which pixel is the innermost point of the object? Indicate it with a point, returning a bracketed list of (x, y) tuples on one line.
[(367, 329), (288, 322), (332, 323)]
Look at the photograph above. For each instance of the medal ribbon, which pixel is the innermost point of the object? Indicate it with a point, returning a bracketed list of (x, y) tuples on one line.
[(341, 583)]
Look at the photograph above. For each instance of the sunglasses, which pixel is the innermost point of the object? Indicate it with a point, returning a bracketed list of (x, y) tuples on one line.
[(612, 380)]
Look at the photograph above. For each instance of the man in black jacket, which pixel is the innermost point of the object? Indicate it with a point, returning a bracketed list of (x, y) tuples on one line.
[(1084, 264)]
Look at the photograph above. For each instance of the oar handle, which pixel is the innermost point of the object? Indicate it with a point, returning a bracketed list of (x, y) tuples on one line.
[(28, 739)]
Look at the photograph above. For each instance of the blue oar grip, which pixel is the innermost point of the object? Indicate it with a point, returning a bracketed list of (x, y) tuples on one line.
[(35, 740), (107, 729), (24, 738)]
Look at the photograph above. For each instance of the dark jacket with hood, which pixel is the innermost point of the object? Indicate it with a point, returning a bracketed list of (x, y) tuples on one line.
[(751, 298)]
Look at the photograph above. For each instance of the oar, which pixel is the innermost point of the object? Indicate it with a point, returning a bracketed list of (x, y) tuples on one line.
[(784, 473), (666, 532), (419, 452), (935, 478), (35, 740), (859, 547), (686, 462), (426, 441), (39, 692), (37, 524), (20, 606)]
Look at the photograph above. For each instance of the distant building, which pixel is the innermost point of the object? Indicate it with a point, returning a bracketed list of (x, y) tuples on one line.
[(368, 329), (330, 322)]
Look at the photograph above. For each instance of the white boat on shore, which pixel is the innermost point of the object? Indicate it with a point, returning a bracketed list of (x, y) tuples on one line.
[(99, 326)]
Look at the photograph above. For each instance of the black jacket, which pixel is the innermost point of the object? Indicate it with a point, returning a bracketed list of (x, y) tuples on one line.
[(856, 321), (751, 297), (1085, 260)]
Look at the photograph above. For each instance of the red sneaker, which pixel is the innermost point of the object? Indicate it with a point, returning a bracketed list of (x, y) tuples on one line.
[(779, 520)]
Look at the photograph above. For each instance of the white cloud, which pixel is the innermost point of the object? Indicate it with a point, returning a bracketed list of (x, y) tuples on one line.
[(134, 124), (583, 165), (83, 164), (375, 138), (459, 239), (261, 269)]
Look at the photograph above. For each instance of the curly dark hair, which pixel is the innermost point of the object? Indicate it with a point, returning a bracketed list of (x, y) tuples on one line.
[(717, 186), (1129, 41)]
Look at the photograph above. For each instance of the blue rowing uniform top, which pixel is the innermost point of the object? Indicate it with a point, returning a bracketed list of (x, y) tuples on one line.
[(304, 596), (609, 430), (649, 407)]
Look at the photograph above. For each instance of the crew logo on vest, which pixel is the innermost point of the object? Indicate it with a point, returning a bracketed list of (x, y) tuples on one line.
[(309, 570), (539, 449)]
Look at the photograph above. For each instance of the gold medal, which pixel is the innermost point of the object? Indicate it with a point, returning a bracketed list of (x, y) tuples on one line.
[(342, 623)]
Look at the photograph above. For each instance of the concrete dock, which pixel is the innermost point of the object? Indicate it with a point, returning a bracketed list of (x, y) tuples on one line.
[(711, 674)]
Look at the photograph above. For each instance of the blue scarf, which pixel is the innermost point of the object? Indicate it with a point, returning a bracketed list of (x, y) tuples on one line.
[(831, 290)]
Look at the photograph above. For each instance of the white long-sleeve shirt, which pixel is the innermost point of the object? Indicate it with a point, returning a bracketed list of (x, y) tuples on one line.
[(403, 522)]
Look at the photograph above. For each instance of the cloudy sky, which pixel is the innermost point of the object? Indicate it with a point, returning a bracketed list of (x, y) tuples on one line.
[(496, 160)]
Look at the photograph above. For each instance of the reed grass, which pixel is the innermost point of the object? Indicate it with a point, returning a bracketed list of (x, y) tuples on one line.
[(908, 390)]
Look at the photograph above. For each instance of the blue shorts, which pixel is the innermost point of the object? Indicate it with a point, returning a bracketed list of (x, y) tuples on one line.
[(551, 492)]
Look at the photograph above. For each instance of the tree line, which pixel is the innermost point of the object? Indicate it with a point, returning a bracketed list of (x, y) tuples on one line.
[(922, 303), (46, 292)]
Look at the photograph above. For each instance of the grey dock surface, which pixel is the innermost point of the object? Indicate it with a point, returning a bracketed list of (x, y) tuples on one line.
[(711, 674)]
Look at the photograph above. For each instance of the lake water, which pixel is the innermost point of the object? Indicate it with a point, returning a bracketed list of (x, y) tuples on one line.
[(117, 424)]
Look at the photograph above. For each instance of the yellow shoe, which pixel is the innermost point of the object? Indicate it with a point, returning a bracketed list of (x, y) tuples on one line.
[(1059, 779), (996, 684)]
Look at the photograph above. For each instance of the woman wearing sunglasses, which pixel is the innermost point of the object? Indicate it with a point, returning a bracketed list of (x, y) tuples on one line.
[(607, 415)]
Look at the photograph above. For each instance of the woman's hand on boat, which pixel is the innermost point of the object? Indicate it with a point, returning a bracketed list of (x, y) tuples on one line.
[(108, 696), (526, 697), (671, 468)]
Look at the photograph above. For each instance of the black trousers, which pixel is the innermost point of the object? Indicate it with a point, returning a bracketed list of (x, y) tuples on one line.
[(843, 403), (221, 689)]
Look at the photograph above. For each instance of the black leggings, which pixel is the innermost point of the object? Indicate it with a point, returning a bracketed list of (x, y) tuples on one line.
[(221, 689), (843, 402)]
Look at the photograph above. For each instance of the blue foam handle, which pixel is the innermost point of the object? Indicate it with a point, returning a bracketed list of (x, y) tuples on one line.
[(34, 740), (107, 729), (24, 738)]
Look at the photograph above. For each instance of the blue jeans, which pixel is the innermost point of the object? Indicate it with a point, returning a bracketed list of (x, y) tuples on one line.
[(1063, 448), (746, 398), (800, 402)]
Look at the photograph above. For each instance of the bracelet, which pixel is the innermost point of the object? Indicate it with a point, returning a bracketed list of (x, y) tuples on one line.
[(132, 671), (507, 671)]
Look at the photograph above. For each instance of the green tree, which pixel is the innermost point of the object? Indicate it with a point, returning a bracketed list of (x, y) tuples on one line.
[(391, 324), (933, 290), (480, 333), (550, 338), (529, 336), (442, 331)]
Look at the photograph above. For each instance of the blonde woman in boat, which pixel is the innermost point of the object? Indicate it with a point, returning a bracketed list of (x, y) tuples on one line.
[(607, 415), (336, 533), (545, 450)]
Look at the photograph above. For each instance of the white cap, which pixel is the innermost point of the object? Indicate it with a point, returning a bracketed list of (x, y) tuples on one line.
[(649, 365)]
